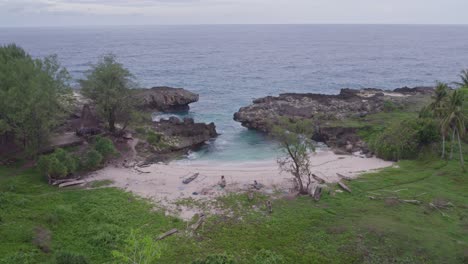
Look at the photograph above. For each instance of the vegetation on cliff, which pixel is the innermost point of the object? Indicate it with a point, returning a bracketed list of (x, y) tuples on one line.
[(33, 95)]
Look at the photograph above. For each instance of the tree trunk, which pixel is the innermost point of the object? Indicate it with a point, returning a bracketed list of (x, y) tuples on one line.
[(452, 143), (462, 162), (443, 146), (301, 185), (111, 122)]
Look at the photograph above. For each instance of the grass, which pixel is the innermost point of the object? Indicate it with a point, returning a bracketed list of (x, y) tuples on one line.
[(87, 222), (341, 228), (351, 228)]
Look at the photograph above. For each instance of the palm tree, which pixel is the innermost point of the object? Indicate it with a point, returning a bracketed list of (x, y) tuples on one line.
[(454, 119), (438, 106), (464, 79)]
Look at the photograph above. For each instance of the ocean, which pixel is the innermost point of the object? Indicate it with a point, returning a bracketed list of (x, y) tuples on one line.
[(229, 65)]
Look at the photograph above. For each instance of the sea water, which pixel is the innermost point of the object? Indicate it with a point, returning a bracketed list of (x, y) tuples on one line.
[(229, 65)]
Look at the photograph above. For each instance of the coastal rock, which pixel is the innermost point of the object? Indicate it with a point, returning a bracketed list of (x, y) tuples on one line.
[(185, 134), (323, 109), (176, 137), (165, 99)]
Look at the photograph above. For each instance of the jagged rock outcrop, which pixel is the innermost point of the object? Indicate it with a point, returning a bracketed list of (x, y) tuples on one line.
[(175, 137), (165, 99), (265, 112), (185, 134)]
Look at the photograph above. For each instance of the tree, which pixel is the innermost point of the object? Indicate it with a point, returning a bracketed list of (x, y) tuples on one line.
[(294, 138), (33, 96), (437, 109), (464, 79), (454, 119), (109, 84)]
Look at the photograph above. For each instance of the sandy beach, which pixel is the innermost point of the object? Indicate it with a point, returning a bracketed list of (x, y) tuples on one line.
[(163, 184)]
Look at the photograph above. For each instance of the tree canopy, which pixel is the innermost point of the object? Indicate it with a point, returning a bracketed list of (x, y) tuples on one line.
[(294, 139), (33, 93), (109, 84)]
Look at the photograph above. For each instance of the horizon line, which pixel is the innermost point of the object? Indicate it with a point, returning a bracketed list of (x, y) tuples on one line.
[(238, 24)]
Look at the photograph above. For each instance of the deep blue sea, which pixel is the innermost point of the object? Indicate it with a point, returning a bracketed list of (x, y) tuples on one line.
[(229, 65)]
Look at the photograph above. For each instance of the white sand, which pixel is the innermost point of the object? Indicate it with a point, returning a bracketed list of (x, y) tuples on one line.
[(163, 182)]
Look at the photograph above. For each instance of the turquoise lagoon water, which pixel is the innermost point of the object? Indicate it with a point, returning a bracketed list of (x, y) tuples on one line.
[(229, 65)]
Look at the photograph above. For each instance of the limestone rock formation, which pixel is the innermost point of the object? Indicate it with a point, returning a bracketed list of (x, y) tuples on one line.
[(323, 109), (165, 99)]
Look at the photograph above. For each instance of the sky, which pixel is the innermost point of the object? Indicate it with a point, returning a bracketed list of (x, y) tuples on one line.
[(25, 13)]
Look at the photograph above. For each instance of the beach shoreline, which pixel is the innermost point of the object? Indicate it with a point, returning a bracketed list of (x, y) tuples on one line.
[(163, 183)]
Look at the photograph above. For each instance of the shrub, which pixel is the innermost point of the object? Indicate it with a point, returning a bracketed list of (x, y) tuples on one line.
[(138, 248), (92, 160), (153, 138), (58, 165), (70, 258), (268, 257), (404, 139), (389, 106), (215, 259), (105, 147)]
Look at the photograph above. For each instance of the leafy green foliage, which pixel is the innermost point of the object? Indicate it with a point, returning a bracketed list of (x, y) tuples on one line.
[(464, 79), (109, 84), (58, 165), (153, 138), (33, 94), (140, 249), (105, 147), (294, 138), (404, 139), (93, 159), (389, 106)]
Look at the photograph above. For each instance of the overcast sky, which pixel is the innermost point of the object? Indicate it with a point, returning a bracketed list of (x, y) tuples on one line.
[(131, 12)]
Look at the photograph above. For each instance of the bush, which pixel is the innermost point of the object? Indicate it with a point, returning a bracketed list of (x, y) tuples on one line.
[(58, 165), (92, 160), (215, 259), (105, 147), (70, 258), (153, 138), (138, 248), (268, 257), (404, 139), (389, 106)]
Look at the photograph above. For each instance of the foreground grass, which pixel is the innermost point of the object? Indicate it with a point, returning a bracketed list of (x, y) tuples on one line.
[(345, 228), (86, 222), (351, 228)]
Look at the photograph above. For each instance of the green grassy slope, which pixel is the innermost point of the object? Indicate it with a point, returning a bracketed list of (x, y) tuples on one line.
[(345, 228)]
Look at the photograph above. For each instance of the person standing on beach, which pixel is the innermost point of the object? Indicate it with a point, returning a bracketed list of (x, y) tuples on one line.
[(222, 182)]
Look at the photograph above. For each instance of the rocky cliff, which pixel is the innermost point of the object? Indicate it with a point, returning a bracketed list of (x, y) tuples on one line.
[(165, 99), (323, 109)]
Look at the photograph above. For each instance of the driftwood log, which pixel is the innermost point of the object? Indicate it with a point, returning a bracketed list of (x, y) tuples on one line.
[(57, 182), (190, 179), (318, 179), (168, 233), (72, 183), (344, 187), (344, 177), (141, 172), (200, 221)]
